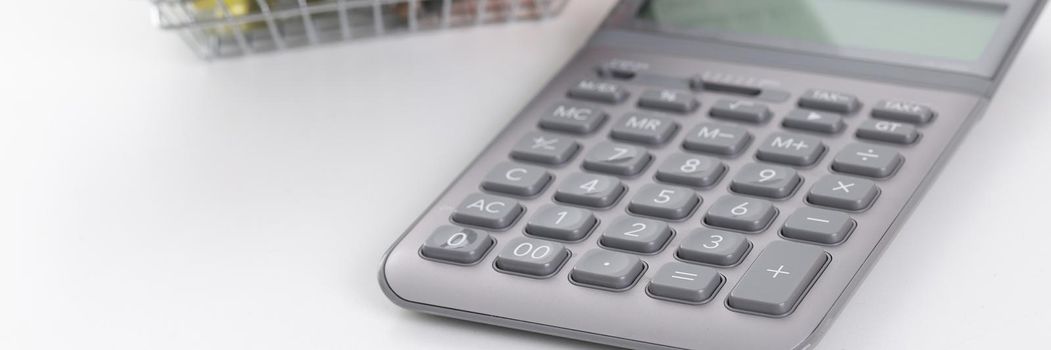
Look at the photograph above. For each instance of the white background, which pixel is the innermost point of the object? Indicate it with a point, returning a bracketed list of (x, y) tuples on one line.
[(149, 200)]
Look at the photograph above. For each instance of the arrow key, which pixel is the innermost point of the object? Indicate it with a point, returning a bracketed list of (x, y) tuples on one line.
[(814, 121)]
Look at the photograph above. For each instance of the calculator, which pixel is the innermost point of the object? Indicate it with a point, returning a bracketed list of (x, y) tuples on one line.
[(709, 174)]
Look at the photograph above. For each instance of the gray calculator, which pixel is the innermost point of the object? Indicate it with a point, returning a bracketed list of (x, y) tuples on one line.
[(710, 174)]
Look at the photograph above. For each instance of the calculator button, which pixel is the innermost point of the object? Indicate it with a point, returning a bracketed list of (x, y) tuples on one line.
[(818, 225), (718, 139), (813, 121), (888, 131), (778, 278), (902, 111), (791, 149), (690, 170), (829, 101), (636, 234), (598, 91), (713, 247), (620, 69), (608, 270), (544, 148), (843, 192), (487, 211), (740, 110), (667, 202), (561, 222), (723, 83), (867, 160), (668, 100), (765, 180), (457, 245), (616, 159), (649, 129), (573, 118), (532, 257), (591, 190), (683, 282), (740, 213), (516, 179)]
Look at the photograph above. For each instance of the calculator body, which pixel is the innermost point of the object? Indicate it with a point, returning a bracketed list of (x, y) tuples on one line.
[(640, 56)]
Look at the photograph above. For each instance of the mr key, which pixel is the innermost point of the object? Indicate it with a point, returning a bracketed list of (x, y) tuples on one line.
[(671, 191)]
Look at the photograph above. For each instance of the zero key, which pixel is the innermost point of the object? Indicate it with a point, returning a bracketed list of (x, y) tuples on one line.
[(777, 280)]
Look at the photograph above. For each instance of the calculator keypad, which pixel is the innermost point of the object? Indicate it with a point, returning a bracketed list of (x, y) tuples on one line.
[(717, 139), (636, 234), (684, 283), (690, 170), (714, 247), (487, 211), (740, 213), (457, 245), (607, 270), (791, 149), (573, 118), (598, 191), (644, 128), (722, 230), (532, 257), (666, 202), (516, 179), (545, 148), (617, 159)]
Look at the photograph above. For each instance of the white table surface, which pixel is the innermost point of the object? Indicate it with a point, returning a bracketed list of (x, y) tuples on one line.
[(154, 201)]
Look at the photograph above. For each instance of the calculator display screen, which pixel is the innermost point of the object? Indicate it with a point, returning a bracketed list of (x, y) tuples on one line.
[(952, 30)]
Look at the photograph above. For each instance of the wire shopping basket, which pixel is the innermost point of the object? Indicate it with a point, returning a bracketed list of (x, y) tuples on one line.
[(223, 28)]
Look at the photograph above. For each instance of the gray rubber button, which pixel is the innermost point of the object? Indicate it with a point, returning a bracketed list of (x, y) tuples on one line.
[(591, 190), (516, 179), (690, 170), (573, 118), (740, 110), (685, 283), (888, 131), (608, 270), (717, 139), (843, 192), (487, 211), (544, 148), (598, 91), (636, 234), (792, 149), (829, 101), (765, 180), (561, 222), (829, 123), (617, 159), (668, 100), (778, 278), (456, 244), (867, 160), (643, 128), (713, 247), (902, 111), (740, 213), (532, 257), (818, 225), (666, 202)]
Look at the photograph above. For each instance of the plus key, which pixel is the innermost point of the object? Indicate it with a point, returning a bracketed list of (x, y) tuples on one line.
[(778, 278)]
